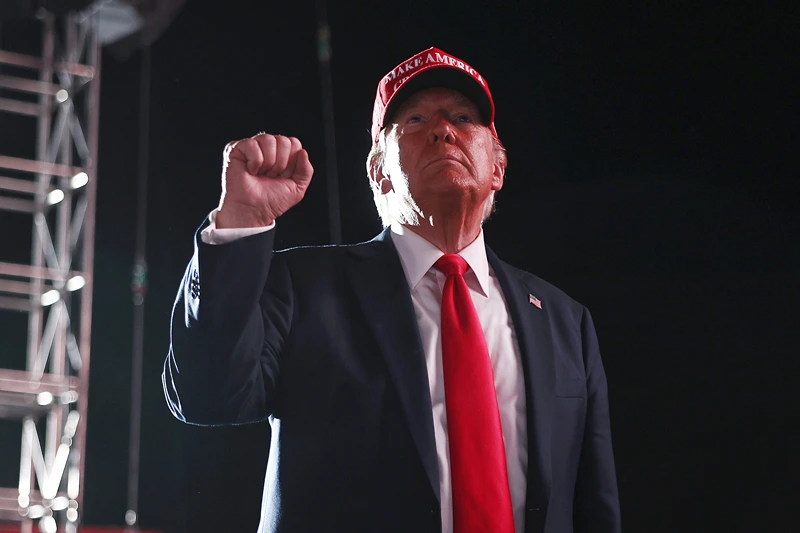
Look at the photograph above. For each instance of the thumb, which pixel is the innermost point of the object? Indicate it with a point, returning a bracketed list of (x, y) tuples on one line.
[(303, 169)]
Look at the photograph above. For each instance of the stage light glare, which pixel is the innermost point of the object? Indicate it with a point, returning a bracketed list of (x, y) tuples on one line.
[(72, 515), (61, 96), (130, 517), (59, 503), (50, 297), (54, 196), (44, 398), (48, 525), (69, 397), (75, 283), (79, 180)]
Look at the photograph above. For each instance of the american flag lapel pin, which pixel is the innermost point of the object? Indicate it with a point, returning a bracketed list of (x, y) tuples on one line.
[(533, 300)]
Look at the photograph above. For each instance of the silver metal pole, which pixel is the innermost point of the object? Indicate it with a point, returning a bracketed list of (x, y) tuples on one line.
[(36, 316), (42, 187), (93, 116)]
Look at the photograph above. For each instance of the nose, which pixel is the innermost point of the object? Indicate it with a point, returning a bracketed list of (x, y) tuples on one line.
[(442, 130)]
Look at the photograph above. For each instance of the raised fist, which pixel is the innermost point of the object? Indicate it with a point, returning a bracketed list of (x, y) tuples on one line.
[(262, 178)]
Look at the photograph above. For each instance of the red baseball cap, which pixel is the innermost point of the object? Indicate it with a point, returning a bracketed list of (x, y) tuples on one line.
[(430, 68)]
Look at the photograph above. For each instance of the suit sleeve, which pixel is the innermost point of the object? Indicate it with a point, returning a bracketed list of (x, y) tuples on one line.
[(596, 495), (227, 333)]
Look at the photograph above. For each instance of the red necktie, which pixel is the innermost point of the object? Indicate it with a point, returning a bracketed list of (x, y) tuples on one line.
[(481, 499)]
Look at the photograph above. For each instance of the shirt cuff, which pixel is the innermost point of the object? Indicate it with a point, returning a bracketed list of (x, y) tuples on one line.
[(211, 234)]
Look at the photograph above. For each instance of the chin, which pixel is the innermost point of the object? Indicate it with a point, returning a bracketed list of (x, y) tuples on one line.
[(456, 183)]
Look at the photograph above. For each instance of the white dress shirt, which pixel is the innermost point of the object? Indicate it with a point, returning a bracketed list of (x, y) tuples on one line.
[(211, 234), (426, 283)]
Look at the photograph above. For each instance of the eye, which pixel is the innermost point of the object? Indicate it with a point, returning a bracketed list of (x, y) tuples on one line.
[(464, 118), (414, 119)]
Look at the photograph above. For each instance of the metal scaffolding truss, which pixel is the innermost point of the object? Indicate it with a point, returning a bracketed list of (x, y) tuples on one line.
[(58, 190)]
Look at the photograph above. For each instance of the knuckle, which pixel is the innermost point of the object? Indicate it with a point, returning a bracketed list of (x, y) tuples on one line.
[(266, 140), (250, 149), (270, 153), (229, 148)]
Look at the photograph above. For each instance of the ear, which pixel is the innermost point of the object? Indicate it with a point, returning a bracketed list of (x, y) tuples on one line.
[(377, 175), (498, 176)]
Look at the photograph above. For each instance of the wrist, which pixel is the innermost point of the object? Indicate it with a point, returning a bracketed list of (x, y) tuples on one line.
[(228, 218)]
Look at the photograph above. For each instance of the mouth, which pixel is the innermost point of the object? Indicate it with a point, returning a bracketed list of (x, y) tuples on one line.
[(445, 158)]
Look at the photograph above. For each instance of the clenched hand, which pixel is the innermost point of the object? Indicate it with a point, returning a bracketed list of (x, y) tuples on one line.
[(262, 178)]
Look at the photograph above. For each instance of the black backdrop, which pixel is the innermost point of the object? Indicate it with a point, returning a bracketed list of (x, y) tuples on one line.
[(653, 176)]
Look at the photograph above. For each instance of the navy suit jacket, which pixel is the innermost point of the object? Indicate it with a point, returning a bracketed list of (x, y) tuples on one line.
[(323, 342)]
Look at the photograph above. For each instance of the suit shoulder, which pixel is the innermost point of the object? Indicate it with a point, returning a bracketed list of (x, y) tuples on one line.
[(324, 254)]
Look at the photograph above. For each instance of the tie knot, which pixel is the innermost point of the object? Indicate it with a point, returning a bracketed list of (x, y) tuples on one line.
[(451, 265)]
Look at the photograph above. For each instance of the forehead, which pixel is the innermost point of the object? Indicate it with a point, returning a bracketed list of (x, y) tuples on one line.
[(437, 96)]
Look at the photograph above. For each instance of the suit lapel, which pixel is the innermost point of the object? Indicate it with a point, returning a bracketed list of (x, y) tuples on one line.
[(532, 328), (382, 290)]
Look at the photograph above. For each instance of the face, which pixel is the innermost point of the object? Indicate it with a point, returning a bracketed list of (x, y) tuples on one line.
[(441, 153)]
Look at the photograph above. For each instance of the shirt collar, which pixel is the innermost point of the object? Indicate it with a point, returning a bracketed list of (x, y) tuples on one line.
[(417, 256)]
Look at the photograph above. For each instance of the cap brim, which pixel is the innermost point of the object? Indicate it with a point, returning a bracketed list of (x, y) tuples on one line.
[(446, 77)]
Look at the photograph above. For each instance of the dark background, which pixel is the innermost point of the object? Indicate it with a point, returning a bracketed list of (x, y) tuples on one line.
[(653, 176)]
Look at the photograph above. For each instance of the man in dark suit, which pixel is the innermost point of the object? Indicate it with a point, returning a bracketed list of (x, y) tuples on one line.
[(415, 382)]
